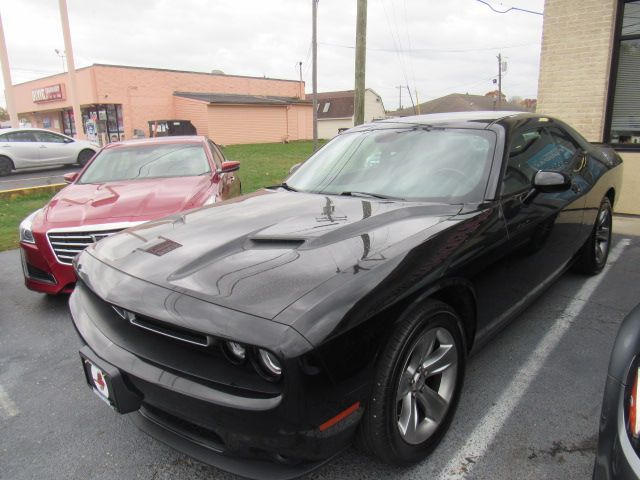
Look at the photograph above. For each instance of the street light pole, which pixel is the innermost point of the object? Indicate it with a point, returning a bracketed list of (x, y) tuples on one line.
[(6, 77), (73, 92), (499, 81), (314, 74)]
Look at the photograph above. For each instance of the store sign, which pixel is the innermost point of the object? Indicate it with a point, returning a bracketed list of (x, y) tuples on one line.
[(48, 94)]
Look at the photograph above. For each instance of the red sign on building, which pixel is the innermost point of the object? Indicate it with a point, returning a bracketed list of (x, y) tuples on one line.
[(48, 94)]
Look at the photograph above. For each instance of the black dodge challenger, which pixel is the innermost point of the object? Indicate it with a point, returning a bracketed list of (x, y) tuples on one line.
[(265, 334)]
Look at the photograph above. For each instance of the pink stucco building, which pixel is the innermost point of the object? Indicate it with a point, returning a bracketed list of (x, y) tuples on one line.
[(229, 109)]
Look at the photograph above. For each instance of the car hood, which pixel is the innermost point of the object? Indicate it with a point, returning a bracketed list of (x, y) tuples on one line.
[(261, 252), (126, 201)]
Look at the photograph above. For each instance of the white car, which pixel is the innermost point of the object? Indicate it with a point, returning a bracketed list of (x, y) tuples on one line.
[(36, 147)]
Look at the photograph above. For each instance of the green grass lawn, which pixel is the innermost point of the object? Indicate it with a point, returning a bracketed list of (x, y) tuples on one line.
[(12, 212), (265, 164), (261, 165)]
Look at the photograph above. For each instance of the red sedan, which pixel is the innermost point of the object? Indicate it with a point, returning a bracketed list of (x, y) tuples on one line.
[(125, 184)]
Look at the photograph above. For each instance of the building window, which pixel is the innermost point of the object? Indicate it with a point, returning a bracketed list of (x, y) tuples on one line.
[(623, 126), (326, 107)]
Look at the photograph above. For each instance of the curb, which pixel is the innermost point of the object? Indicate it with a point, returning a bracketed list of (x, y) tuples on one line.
[(22, 192)]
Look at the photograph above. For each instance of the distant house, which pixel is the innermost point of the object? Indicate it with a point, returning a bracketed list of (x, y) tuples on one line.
[(335, 110), (458, 102)]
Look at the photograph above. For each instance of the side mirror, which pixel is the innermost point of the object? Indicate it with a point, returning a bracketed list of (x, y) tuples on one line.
[(70, 177), (294, 168), (547, 181), (228, 167)]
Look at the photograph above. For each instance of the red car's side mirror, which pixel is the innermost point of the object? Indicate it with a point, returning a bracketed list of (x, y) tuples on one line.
[(228, 167), (70, 177)]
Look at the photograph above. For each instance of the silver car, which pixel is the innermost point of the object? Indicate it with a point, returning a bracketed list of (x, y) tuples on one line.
[(36, 147)]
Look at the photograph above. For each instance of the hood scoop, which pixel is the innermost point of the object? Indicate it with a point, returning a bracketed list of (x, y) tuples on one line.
[(275, 243)]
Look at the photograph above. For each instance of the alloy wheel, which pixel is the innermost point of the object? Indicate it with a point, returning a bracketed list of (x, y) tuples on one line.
[(603, 235), (427, 385)]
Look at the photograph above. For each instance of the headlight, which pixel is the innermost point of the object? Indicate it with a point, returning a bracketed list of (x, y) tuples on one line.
[(269, 364), (235, 352), (26, 235)]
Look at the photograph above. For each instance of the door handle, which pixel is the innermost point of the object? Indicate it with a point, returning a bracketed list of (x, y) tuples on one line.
[(43, 146)]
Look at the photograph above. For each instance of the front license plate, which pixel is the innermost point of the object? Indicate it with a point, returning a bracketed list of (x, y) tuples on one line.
[(99, 382)]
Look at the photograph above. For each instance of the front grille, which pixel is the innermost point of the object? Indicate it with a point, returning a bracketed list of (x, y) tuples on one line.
[(66, 245)]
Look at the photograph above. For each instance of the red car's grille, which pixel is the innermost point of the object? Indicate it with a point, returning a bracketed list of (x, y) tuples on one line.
[(66, 245)]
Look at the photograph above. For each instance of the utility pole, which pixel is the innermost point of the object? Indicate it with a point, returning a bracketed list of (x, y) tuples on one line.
[(499, 57), (314, 75), (411, 98), (6, 77), (73, 92), (399, 87), (361, 59)]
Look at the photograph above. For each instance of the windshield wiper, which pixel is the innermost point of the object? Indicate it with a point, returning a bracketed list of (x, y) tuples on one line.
[(285, 186), (368, 194)]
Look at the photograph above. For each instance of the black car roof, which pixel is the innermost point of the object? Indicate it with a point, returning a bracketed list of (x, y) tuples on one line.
[(481, 119)]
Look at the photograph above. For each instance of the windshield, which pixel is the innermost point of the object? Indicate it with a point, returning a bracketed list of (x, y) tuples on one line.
[(411, 163), (131, 162)]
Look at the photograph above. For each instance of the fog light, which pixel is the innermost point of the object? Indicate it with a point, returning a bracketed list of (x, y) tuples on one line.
[(270, 364), (236, 352)]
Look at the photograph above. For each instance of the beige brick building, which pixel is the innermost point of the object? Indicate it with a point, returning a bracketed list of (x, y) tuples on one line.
[(588, 77)]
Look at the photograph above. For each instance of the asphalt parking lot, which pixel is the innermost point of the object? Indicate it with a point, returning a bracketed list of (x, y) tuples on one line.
[(529, 408), (36, 177)]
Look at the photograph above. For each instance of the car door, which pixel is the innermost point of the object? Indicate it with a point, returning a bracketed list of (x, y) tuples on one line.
[(21, 147), (229, 182), (55, 149), (543, 229)]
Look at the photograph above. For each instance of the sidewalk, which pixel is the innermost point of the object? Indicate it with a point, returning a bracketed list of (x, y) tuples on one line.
[(626, 225)]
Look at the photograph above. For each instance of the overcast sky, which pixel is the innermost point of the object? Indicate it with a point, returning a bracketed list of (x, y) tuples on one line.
[(437, 47)]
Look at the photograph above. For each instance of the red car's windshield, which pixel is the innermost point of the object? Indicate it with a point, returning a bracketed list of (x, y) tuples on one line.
[(131, 162)]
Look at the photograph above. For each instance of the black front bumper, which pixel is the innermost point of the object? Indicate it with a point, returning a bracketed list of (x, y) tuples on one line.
[(260, 437), (616, 458)]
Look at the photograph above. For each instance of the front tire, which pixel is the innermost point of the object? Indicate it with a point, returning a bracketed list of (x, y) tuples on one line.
[(594, 253), (416, 386), (6, 165), (85, 156)]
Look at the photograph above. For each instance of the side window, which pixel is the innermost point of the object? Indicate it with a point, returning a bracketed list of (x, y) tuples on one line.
[(5, 138), (567, 150), (49, 137), (217, 155), (529, 151), (21, 137)]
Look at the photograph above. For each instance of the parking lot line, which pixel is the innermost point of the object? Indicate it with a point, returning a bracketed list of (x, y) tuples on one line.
[(7, 407), (467, 457)]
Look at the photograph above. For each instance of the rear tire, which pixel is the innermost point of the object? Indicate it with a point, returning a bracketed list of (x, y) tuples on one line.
[(416, 386), (6, 166), (85, 156), (593, 255)]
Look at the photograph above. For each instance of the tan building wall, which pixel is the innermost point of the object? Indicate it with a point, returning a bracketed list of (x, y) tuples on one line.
[(575, 62), (266, 123), (194, 110)]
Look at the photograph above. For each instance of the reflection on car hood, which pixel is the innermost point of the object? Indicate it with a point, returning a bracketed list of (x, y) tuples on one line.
[(133, 200), (260, 253)]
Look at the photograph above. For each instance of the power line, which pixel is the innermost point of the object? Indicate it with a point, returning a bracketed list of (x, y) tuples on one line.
[(509, 9), (433, 50)]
